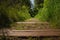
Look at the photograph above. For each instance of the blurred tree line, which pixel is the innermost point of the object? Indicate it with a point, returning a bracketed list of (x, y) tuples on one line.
[(20, 10), (13, 11), (16, 10), (38, 5)]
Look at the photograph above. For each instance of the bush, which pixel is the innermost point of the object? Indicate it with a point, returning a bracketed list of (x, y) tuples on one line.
[(50, 12), (16, 10)]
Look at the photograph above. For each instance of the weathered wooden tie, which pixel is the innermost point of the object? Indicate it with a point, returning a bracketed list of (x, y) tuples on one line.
[(41, 32)]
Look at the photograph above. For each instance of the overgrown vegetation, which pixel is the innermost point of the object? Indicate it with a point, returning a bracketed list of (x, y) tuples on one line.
[(39, 4), (50, 12), (13, 11), (20, 10), (17, 10)]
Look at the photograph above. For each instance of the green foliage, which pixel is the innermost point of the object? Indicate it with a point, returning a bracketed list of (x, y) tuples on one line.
[(17, 10), (33, 12), (39, 4), (24, 13), (13, 11), (37, 7), (50, 12)]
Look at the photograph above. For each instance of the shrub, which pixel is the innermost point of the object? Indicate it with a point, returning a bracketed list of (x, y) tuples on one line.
[(50, 12), (17, 10)]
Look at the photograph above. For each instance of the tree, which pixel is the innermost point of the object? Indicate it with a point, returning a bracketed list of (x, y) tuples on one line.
[(13, 11), (50, 12), (5, 22), (39, 4), (14, 8)]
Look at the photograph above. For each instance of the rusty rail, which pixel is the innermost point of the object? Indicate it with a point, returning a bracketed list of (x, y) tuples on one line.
[(41, 32)]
